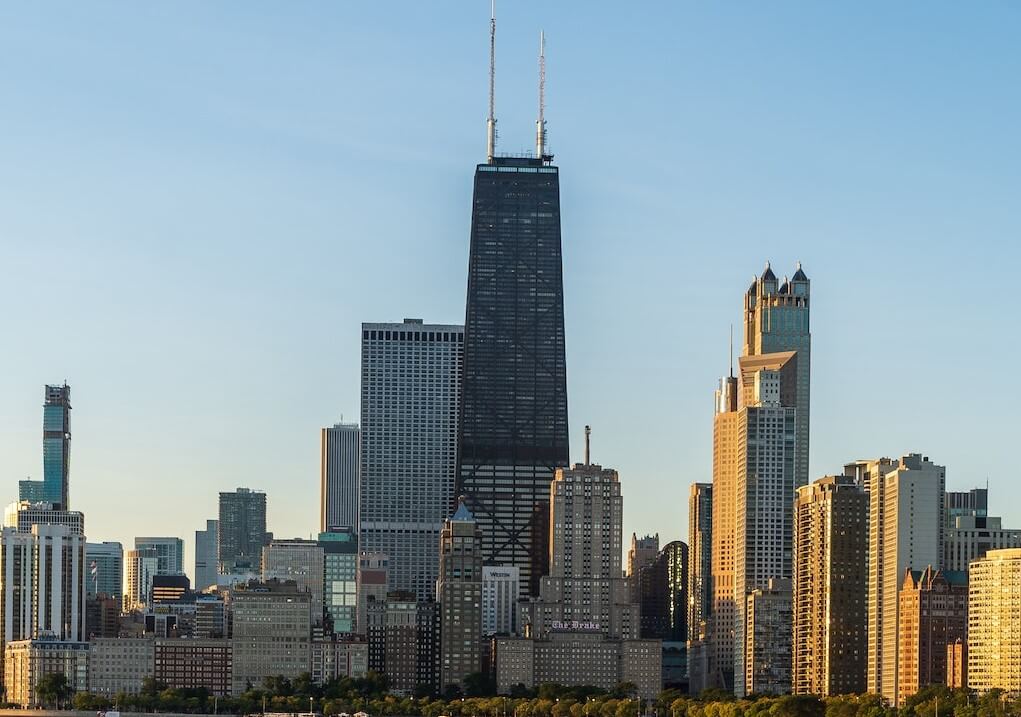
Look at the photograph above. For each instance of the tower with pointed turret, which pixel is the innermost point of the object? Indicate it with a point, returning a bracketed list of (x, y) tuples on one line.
[(776, 319)]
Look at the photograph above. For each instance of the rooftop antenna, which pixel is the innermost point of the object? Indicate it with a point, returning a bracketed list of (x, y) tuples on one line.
[(540, 125), (588, 438), (730, 352), (491, 122)]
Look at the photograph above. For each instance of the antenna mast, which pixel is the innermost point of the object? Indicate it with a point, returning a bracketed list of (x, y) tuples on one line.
[(540, 125), (491, 122)]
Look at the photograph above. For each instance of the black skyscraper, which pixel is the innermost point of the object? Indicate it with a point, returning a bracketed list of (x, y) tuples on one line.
[(513, 429)]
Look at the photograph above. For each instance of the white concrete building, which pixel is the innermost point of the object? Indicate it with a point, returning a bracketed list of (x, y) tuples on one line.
[(410, 397), (906, 507), (500, 586)]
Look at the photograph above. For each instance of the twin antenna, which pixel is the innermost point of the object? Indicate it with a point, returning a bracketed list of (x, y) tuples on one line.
[(540, 124)]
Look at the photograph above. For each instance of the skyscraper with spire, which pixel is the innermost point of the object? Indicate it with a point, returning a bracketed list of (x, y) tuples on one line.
[(513, 424)]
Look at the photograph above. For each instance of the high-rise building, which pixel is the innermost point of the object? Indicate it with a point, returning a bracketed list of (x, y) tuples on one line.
[(585, 583), (768, 638), (662, 590), (500, 589), (272, 631), (140, 565), (372, 581), (205, 555), (169, 553), (340, 464), (994, 621), (55, 485), (969, 537), (404, 641), (700, 535), (906, 515), (776, 320), (582, 629), (764, 491), (106, 569), (830, 587), (24, 514), (966, 503), (43, 584), (241, 531), (411, 375), (513, 430), (302, 561), (933, 614), (641, 554), (16, 578), (720, 634), (459, 593), (340, 586)]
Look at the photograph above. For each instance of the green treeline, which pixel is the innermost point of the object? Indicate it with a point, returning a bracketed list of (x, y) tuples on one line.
[(369, 695)]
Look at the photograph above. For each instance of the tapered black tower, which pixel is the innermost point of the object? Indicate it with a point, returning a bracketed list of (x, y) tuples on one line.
[(513, 428)]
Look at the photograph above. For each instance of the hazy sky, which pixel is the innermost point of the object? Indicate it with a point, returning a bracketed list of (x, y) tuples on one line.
[(200, 202)]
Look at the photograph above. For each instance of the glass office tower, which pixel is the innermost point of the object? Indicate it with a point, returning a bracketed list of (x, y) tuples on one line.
[(513, 428), (56, 452)]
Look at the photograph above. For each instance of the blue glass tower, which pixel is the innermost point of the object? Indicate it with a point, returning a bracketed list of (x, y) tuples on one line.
[(56, 452)]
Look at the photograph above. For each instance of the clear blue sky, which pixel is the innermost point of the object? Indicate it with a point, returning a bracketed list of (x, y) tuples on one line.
[(200, 202)]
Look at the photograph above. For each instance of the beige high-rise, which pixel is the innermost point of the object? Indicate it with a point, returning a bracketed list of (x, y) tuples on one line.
[(906, 515), (751, 529), (994, 622), (721, 621), (830, 587), (764, 496)]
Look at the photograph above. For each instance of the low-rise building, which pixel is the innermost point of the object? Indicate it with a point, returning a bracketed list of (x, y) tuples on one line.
[(333, 658), (120, 664), (27, 661), (195, 662), (579, 657)]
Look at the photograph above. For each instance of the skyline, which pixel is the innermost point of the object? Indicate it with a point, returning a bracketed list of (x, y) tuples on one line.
[(145, 275)]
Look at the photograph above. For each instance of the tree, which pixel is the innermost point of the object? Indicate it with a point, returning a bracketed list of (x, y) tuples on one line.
[(479, 684), (53, 688)]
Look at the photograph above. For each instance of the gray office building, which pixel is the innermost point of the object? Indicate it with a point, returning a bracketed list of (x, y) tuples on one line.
[(411, 377), (340, 463), (241, 531), (205, 555)]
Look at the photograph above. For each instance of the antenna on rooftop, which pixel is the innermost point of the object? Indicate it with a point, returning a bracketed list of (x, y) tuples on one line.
[(540, 125), (491, 122), (588, 437), (730, 352)]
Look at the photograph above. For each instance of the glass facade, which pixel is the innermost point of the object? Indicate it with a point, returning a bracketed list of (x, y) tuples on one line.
[(340, 588), (56, 452), (513, 427)]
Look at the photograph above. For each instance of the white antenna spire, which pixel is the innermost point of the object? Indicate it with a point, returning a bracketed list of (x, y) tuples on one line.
[(491, 122), (540, 125)]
